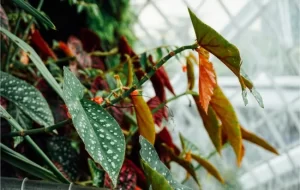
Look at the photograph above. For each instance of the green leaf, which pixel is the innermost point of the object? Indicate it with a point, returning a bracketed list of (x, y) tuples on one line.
[(157, 180), (22, 118), (153, 166), (34, 12), (62, 153), (228, 53), (213, 42), (19, 161), (96, 173), (35, 59), (27, 98), (99, 131)]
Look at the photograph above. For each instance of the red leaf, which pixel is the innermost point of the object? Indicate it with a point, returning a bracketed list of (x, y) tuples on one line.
[(41, 44), (159, 91), (162, 74), (207, 80), (99, 84), (90, 40), (98, 63), (157, 116), (165, 137)]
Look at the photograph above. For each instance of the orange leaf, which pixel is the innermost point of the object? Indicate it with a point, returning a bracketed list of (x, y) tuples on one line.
[(209, 167), (211, 124), (64, 47), (190, 72), (230, 123), (43, 46), (251, 137), (144, 117), (207, 79)]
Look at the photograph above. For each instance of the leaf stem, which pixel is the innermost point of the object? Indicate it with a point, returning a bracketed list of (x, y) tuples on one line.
[(37, 131), (101, 53), (161, 105), (151, 73)]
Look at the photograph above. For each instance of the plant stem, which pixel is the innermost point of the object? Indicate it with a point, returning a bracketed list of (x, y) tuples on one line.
[(35, 147), (171, 99), (151, 73), (108, 53), (8, 57), (37, 131)]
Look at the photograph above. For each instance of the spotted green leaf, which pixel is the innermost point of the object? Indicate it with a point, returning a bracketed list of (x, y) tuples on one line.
[(99, 131), (35, 59), (153, 166), (228, 53), (34, 12), (27, 98), (96, 173), (64, 156)]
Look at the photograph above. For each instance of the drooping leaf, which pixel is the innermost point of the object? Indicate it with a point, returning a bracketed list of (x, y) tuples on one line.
[(207, 79), (211, 124), (34, 12), (164, 136), (38, 41), (62, 154), (144, 117), (251, 137), (190, 73), (35, 59), (160, 92), (166, 81), (101, 134), (157, 173), (230, 124), (208, 166), (186, 164), (96, 173), (18, 160), (229, 54), (27, 98)]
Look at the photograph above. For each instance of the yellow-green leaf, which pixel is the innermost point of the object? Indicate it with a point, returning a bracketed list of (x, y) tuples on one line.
[(230, 123), (211, 124), (251, 137), (209, 167), (144, 117)]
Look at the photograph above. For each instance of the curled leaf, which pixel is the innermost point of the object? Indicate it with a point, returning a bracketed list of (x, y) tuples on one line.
[(251, 137), (207, 80), (144, 117), (209, 167), (225, 112)]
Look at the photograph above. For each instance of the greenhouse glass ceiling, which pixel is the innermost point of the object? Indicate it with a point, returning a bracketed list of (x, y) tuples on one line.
[(267, 32)]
